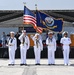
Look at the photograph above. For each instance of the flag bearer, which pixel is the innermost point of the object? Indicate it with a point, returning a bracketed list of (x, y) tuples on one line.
[(51, 45), (65, 41), (38, 47), (12, 46), (24, 46)]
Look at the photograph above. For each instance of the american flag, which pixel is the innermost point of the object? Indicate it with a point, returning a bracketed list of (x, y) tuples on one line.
[(30, 18), (39, 29)]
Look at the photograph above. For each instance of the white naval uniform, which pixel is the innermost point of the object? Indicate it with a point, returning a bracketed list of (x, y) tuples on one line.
[(66, 49), (12, 48), (37, 49), (51, 45), (24, 47)]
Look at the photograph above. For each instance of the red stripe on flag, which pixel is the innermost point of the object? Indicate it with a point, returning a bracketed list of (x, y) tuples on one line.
[(39, 29), (27, 19), (34, 25), (28, 16), (30, 22)]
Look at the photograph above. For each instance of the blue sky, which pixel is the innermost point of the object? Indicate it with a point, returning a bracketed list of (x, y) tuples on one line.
[(41, 4)]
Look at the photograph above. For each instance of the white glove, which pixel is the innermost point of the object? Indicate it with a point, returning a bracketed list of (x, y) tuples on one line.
[(31, 35)]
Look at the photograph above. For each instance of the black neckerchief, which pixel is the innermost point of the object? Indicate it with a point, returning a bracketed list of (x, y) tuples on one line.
[(11, 40), (37, 41), (50, 39), (24, 38)]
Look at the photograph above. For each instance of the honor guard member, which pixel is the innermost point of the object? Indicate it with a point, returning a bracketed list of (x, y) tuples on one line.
[(38, 47), (66, 41), (24, 46), (12, 46), (51, 45)]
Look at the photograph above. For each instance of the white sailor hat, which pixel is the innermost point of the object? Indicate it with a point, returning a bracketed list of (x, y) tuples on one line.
[(65, 32), (50, 32), (12, 32), (23, 31)]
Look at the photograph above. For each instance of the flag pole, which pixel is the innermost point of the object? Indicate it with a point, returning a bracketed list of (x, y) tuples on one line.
[(24, 5), (35, 12), (40, 17)]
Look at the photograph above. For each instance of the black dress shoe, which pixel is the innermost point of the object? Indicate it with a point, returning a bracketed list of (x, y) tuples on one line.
[(12, 64), (37, 64), (21, 64), (25, 64), (9, 64), (53, 64), (49, 64)]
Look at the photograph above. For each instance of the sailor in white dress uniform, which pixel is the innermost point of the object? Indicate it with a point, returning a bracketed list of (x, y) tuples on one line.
[(12, 46), (38, 47), (24, 46), (66, 41), (51, 45)]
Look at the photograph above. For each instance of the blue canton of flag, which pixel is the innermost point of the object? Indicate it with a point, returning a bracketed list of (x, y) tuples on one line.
[(48, 22)]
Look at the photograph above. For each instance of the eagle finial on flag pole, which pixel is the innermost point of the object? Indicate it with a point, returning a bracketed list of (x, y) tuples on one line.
[(36, 6), (24, 3)]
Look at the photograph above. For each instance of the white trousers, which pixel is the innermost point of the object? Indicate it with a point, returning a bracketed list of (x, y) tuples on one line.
[(11, 56), (66, 55), (51, 57), (37, 53), (23, 52)]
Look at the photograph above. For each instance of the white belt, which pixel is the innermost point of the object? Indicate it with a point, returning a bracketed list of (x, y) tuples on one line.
[(50, 45), (11, 45), (24, 43), (36, 45), (66, 44)]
